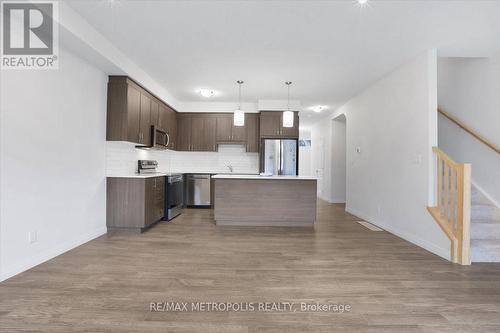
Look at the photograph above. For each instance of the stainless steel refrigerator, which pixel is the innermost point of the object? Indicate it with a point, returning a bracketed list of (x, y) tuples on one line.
[(280, 157)]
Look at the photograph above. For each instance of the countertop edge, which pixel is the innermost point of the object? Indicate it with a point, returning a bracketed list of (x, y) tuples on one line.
[(263, 177)]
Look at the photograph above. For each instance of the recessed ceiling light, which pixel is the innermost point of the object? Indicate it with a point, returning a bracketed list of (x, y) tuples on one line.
[(206, 92), (362, 2), (318, 108)]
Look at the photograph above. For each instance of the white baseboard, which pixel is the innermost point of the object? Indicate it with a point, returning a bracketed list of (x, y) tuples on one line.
[(331, 200), (322, 197), (51, 253), (431, 247), (338, 200)]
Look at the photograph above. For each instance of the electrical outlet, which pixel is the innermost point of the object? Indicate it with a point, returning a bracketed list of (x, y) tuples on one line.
[(33, 237), (417, 159)]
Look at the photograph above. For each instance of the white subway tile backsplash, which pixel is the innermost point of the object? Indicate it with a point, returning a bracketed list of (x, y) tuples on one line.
[(121, 158)]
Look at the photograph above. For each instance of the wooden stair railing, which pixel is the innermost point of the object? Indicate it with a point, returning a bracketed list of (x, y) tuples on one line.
[(469, 130), (452, 212)]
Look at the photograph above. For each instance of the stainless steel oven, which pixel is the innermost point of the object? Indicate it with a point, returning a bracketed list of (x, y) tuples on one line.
[(174, 196)]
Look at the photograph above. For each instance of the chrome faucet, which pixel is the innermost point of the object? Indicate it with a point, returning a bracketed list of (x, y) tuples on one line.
[(230, 167)]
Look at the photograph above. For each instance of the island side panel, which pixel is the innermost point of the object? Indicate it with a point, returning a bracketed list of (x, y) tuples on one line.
[(265, 202)]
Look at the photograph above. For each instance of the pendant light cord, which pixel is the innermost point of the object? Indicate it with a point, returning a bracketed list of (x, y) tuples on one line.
[(239, 98), (288, 83)]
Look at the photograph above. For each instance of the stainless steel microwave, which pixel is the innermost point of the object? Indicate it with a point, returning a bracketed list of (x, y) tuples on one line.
[(159, 138)]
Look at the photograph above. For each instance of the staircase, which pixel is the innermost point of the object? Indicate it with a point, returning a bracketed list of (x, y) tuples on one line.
[(485, 229)]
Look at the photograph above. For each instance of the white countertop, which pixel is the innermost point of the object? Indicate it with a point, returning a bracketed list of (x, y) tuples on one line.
[(217, 176), (236, 176), (136, 175)]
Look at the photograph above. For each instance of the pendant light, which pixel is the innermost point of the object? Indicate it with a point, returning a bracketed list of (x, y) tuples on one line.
[(288, 115), (239, 116)]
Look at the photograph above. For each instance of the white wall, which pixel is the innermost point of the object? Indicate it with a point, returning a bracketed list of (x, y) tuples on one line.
[(52, 161), (390, 182), (321, 134), (469, 89), (338, 161), (305, 154)]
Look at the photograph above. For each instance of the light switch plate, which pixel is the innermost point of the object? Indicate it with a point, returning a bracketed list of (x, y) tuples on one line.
[(417, 159), (33, 237)]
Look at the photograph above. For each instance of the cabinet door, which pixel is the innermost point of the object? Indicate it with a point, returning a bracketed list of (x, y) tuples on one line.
[(209, 133), (145, 122), (224, 128), (270, 124), (160, 198), (133, 114), (252, 127), (162, 117), (149, 204), (154, 203), (239, 133), (155, 120), (171, 128), (184, 133), (291, 132), (197, 134)]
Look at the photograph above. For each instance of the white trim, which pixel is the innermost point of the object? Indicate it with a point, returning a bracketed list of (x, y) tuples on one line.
[(338, 200), (486, 195), (433, 248), (322, 197), (51, 253)]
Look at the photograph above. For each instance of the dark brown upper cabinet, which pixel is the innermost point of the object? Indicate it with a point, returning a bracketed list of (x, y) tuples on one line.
[(184, 132), (132, 116), (171, 127), (132, 110), (203, 133), (145, 120), (224, 128), (227, 132), (155, 112), (252, 128), (162, 117), (271, 125)]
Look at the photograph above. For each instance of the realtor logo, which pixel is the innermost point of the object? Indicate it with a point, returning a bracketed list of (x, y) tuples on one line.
[(29, 35)]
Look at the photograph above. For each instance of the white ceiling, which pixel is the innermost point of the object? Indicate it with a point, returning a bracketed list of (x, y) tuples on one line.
[(331, 50)]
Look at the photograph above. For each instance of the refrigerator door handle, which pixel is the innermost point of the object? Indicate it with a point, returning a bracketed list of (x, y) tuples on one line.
[(281, 158)]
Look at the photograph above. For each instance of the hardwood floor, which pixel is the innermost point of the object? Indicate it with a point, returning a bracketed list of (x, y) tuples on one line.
[(107, 285)]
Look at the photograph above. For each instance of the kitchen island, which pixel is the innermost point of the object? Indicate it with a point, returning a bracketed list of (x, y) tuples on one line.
[(253, 200)]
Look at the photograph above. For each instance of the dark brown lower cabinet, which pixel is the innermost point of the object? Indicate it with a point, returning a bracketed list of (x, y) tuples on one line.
[(134, 203)]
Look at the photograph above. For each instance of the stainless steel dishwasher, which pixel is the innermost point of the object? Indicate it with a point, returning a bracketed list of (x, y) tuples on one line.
[(197, 190)]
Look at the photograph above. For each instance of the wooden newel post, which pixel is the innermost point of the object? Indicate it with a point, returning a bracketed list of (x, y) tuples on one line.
[(464, 201)]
